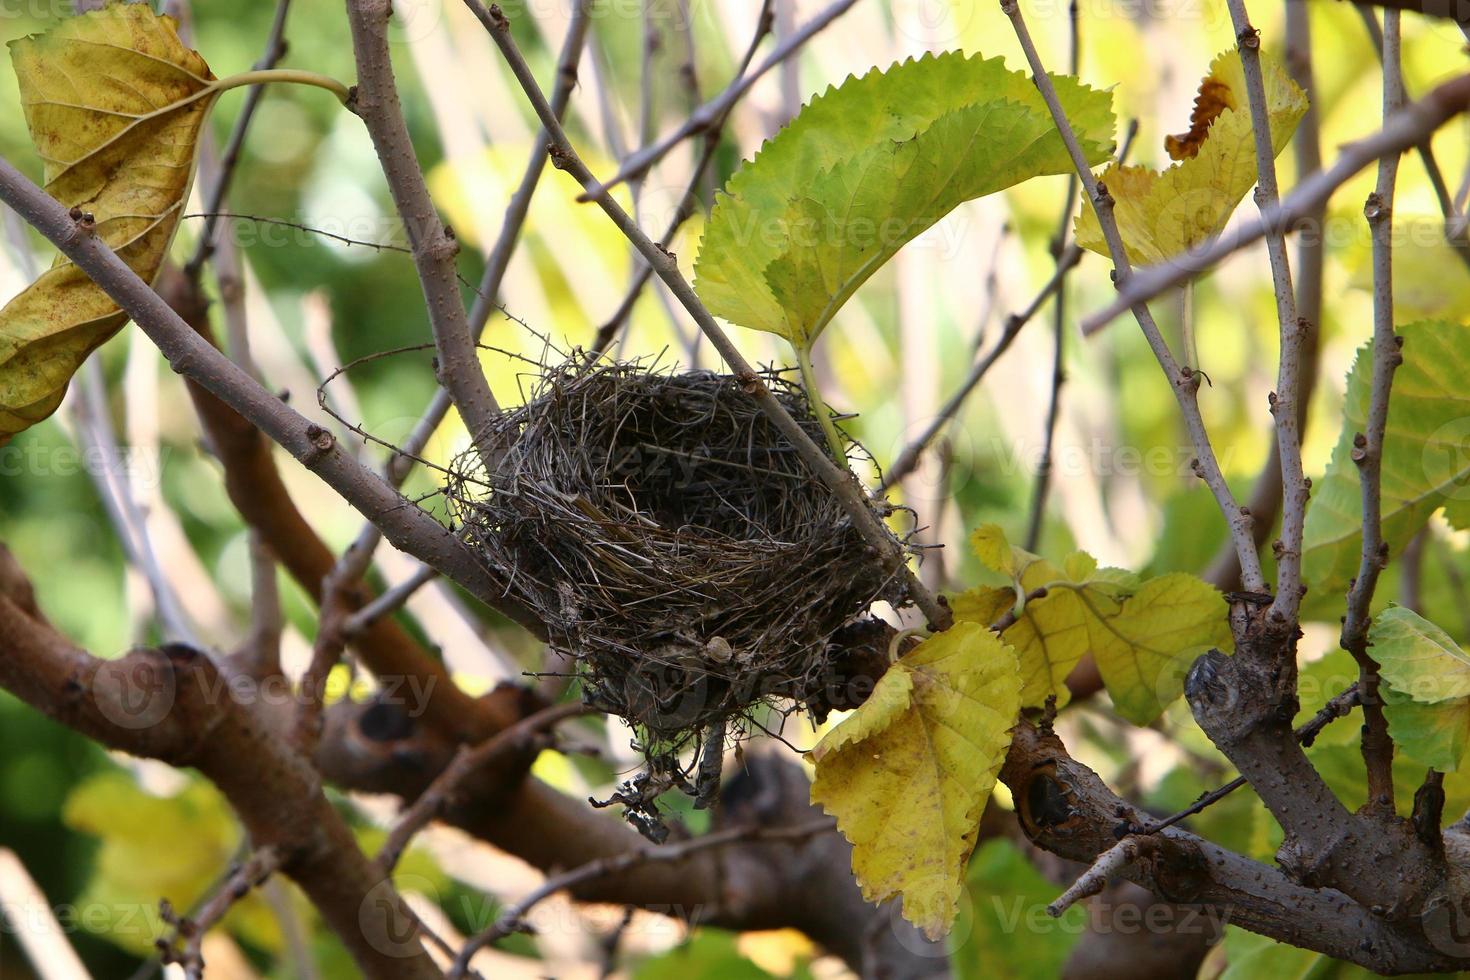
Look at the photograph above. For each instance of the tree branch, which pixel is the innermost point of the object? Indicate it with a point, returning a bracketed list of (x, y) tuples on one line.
[(173, 704), (1292, 332), (1368, 446), (1064, 808), (1183, 381), (434, 245)]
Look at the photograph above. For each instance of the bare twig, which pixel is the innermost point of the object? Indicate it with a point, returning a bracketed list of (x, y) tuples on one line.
[(841, 482), (391, 600), (243, 879), (465, 764), (275, 50), (1265, 499), (1183, 381), (1284, 401), (1407, 128), (512, 918), (434, 245), (1108, 864), (687, 203), (1368, 446), (707, 114), (400, 464)]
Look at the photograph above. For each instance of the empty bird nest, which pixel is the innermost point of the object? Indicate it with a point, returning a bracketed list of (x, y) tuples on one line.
[(673, 541)]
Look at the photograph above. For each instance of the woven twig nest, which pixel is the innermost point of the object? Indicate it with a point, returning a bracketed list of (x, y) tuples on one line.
[(674, 543)]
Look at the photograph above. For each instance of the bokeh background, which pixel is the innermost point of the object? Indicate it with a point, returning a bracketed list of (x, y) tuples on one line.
[(102, 838)]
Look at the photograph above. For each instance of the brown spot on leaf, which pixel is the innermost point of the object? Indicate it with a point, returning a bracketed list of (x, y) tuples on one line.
[(1214, 98)]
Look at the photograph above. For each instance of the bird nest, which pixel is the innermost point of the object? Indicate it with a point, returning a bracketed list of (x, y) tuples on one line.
[(673, 541)]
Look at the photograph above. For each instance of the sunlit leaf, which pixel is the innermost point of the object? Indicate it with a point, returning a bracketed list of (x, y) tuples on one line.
[(153, 847), (1143, 635), (1417, 657), (868, 166), (1163, 214), (908, 773), (1426, 455), (1430, 278), (114, 102)]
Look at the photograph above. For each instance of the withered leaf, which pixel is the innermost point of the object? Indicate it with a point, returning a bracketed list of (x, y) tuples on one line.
[(114, 102)]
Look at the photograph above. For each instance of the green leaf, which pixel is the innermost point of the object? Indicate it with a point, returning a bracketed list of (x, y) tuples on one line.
[(1163, 214), (1426, 455), (1143, 635), (867, 167), (1430, 278), (1426, 687), (114, 102), (908, 773), (1417, 657)]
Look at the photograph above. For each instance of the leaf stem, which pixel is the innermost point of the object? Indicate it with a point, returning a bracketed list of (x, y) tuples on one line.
[(818, 404), (292, 75)]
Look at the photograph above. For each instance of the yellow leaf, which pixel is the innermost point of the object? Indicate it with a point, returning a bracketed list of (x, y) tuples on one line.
[(1143, 635), (992, 548), (114, 102), (908, 773), (1163, 214)]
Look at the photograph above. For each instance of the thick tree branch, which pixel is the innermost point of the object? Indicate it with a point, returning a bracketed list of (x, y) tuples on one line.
[(1245, 702), (173, 704), (1066, 809)]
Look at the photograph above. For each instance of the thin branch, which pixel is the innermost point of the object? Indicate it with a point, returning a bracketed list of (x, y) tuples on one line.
[(1407, 128), (1108, 864), (434, 245), (465, 765), (687, 203), (190, 930), (1042, 486), (96, 435), (1457, 231), (1265, 498), (1368, 446), (1183, 381), (841, 482), (706, 115), (275, 50), (390, 601), (512, 918), (1294, 490), (517, 209)]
